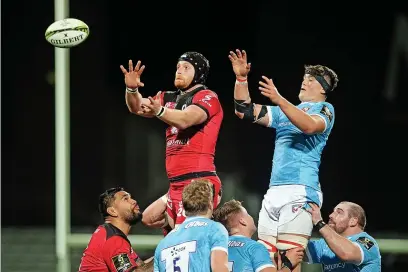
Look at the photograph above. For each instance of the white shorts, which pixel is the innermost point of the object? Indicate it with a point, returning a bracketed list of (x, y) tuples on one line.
[(282, 210)]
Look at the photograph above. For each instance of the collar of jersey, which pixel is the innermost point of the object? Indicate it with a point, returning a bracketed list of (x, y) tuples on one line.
[(194, 217)]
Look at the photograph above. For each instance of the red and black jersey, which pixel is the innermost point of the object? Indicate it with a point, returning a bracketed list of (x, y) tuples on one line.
[(192, 150), (108, 250)]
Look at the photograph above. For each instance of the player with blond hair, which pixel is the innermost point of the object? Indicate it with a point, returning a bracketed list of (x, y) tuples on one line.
[(199, 243)]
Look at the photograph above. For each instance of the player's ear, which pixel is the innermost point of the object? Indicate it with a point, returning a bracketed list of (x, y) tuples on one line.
[(112, 212), (243, 222), (353, 222)]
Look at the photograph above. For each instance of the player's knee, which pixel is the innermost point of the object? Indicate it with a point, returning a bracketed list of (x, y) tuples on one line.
[(269, 242), (289, 241)]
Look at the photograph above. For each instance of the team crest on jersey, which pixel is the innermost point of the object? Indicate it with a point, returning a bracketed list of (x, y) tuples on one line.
[(170, 105), (366, 242), (305, 109), (121, 262), (174, 130), (325, 110)]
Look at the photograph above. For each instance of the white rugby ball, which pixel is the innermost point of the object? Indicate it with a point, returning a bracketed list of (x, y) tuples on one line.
[(67, 33)]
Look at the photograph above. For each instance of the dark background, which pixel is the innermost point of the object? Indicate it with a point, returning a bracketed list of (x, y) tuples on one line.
[(364, 160)]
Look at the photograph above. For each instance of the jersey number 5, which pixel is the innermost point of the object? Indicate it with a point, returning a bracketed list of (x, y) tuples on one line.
[(177, 257)]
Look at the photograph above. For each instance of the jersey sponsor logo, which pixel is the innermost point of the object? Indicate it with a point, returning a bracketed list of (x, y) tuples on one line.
[(305, 109), (206, 100), (284, 124), (173, 142), (325, 111), (330, 267), (121, 262), (235, 244), (195, 224), (365, 242)]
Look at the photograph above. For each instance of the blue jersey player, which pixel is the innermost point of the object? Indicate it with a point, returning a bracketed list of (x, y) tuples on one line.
[(345, 246), (198, 244), (301, 134), (245, 254)]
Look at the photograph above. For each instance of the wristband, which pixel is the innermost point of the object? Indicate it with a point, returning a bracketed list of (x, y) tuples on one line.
[(239, 81), (132, 91), (161, 112), (320, 224)]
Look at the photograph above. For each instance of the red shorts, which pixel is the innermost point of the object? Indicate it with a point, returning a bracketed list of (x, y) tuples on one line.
[(174, 197)]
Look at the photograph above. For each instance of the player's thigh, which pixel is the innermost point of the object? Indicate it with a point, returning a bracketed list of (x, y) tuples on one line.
[(295, 227), (175, 208), (267, 230), (215, 180), (154, 214)]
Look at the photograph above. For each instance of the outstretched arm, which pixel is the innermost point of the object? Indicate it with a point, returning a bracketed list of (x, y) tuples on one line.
[(134, 99), (244, 108)]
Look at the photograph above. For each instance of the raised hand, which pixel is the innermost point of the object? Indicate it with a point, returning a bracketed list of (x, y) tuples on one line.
[(132, 77), (239, 63), (269, 90)]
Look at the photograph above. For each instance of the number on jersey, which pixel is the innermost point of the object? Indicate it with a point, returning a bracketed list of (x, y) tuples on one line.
[(230, 266), (177, 257)]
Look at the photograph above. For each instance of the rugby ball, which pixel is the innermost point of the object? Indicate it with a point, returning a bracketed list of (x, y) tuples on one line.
[(67, 33)]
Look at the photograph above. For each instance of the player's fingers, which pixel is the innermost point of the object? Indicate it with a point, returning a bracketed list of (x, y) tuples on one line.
[(137, 67), (263, 84), (267, 80), (141, 84), (244, 55), (152, 101), (130, 66), (140, 71), (249, 66), (149, 106), (230, 58), (238, 53), (233, 55), (123, 70)]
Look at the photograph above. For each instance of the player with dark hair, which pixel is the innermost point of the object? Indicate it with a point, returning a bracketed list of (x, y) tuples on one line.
[(345, 245), (301, 134), (198, 244), (194, 115), (245, 254), (109, 248)]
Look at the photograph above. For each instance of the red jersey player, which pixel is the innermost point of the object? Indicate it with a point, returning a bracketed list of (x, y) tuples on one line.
[(194, 115), (109, 248)]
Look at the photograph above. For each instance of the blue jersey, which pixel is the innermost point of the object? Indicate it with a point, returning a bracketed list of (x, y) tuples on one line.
[(296, 159), (319, 252), (188, 248), (247, 255)]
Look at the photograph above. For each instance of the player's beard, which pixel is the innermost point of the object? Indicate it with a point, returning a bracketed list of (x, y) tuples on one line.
[(339, 227), (133, 217)]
